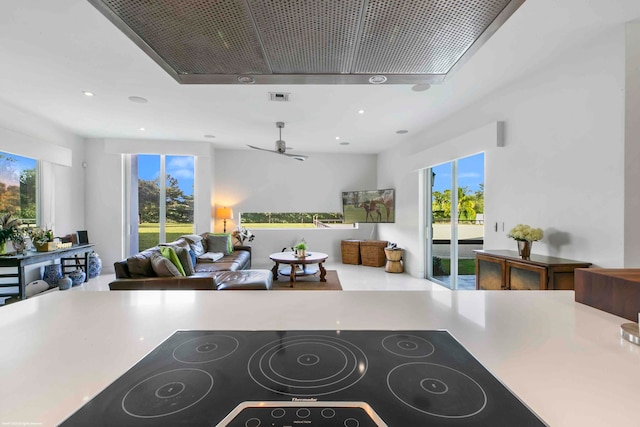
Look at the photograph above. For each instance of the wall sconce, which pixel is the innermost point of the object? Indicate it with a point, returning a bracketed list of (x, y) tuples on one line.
[(224, 213)]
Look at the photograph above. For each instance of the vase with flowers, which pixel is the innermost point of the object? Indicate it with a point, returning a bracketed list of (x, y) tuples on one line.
[(525, 235), (242, 235)]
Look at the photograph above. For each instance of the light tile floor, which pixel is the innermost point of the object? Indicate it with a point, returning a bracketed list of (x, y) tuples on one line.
[(352, 278)]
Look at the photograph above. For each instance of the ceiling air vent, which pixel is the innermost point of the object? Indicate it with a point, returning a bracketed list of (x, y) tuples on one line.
[(279, 96)]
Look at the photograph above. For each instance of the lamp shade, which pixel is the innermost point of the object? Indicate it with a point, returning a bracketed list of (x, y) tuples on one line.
[(224, 213)]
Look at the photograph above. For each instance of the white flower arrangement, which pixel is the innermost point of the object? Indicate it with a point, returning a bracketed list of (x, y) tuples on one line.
[(242, 234), (525, 232)]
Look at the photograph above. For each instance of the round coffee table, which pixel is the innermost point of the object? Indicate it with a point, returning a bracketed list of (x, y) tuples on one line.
[(293, 261)]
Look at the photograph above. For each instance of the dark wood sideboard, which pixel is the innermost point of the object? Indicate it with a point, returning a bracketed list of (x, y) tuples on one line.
[(505, 270)]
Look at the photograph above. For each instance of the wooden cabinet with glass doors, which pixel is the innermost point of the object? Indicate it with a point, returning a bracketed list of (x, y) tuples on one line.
[(505, 270)]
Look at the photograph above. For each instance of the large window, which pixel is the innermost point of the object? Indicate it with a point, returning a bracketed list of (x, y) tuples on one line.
[(293, 220), (18, 178), (168, 179)]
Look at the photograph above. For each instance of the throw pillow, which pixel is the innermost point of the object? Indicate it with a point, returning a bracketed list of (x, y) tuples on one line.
[(185, 261), (192, 238), (170, 253), (197, 248), (163, 267), (180, 243), (219, 243), (192, 255)]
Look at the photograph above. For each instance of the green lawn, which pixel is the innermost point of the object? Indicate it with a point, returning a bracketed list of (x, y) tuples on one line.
[(465, 266), (148, 233)]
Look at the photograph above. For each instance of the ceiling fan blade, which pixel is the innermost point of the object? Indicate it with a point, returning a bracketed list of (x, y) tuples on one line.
[(298, 156), (262, 149)]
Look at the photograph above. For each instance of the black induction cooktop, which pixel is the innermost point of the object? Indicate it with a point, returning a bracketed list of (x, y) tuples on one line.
[(306, 378)]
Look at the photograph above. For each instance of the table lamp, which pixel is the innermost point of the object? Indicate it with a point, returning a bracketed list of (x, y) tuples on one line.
[(224, 213)]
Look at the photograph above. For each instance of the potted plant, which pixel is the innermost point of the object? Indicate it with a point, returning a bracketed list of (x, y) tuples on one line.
[(42, 239), (301, 249), (10, 230)]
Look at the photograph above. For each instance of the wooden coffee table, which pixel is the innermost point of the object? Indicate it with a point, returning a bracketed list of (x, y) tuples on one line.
[(293, 261)]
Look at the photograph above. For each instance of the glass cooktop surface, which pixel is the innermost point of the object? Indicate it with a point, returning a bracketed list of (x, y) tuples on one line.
[(306, 378)]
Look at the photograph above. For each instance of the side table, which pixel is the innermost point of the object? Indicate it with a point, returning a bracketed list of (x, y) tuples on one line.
[(394, 260)]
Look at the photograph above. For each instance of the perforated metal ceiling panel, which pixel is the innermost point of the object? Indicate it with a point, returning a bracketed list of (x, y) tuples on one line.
[(308, 41)]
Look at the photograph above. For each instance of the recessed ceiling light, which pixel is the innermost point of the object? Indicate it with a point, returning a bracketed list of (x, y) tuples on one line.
[(360, 111), (337, 137), (209, 136), (344, 143), (87, 93), (421, 87), (142, 129), (378, 79), (246, 80), (138, 99), (402, 131)]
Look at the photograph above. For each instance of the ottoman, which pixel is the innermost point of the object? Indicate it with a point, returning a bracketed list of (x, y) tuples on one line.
[(243, 280)]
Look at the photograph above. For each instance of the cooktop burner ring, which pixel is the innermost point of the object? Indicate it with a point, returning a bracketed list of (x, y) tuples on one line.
[(425, 386), (207, 348), (167, 393), (314, 357), (290, 366), (408, 346)]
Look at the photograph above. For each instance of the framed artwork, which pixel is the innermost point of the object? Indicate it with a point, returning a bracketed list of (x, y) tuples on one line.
[(373, 206), (82, 237)]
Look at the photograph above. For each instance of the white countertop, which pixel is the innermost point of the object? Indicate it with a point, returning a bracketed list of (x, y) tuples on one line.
[(565, 360)]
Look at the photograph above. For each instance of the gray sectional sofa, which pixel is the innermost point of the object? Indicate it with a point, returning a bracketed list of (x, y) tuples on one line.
[(208, 261)]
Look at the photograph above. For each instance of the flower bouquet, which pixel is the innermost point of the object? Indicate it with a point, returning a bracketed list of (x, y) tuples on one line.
[(241, 234), (525, 235)]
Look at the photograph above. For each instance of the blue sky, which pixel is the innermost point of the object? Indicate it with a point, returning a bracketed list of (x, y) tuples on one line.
[(470, 173), (180, 167), (11, 175)]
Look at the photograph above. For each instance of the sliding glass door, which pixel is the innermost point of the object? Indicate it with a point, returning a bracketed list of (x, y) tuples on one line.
[(169, 179), (455, 220)]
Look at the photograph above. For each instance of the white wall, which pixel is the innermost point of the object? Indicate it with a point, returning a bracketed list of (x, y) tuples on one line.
[(562, 166), (250, 181), (27, 135), (632, 147)]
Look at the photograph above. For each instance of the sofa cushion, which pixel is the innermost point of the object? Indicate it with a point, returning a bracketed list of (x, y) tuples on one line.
[(235, 261), (243, 280), (185, 260), (210, 257), (219, 243), (163, 267), (181, 242), (139, 265)]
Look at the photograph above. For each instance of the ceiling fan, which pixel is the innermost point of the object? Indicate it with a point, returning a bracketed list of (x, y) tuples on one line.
[(281, 146)]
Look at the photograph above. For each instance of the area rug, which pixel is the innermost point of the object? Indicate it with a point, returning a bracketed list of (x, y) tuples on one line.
[(309, 283)]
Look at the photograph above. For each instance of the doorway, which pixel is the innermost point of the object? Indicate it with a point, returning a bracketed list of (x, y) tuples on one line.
[(455, 221)]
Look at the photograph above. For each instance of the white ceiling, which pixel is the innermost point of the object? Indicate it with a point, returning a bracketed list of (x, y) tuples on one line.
[(51, 51)]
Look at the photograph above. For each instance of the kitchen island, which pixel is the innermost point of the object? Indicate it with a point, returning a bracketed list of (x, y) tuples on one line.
[(564, 360)]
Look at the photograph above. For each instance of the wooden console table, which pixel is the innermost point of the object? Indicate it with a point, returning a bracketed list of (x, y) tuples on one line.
[(19, 262), (503, 269)]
